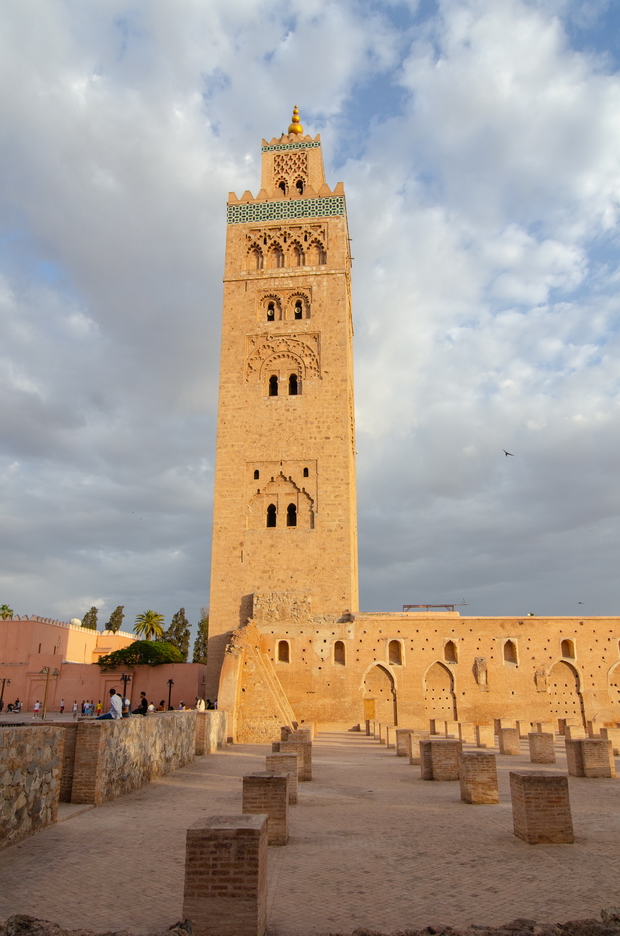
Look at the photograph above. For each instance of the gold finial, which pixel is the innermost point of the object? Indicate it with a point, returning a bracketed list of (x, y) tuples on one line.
[(295, 126)]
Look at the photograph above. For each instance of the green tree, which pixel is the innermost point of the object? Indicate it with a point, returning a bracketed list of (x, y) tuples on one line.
[(200, 644), (90, 619), (178, 633), (141, 653), (150, 624), (116, 620), (6, 612)]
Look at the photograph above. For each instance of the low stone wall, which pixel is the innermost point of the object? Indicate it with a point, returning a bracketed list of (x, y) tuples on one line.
[(30, 765), (115, 757), (210, 732)]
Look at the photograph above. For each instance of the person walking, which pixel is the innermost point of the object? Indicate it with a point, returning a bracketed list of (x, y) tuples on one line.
[(62, 706), (37, 705), (116, 707), (99, 707), (74, 709)]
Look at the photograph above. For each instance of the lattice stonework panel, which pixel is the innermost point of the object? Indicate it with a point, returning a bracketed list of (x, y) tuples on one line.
[(290, 166), (280, 147), (286, 209), (290, 348)]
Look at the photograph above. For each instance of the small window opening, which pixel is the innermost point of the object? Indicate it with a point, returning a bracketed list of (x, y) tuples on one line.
[(305, 472), (293, 385), (282, 187), (273, 385), (271, 312), (291, 515), (271, 515), (395, 655), (322, 257), (39, 648), (256, 474), (449, 652), (510, 652), (284, 653), (299, 185), (339, 656), (298, 310), (568, 649)]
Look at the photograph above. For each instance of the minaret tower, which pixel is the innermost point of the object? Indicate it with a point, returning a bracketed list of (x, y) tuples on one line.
[(284, 515)]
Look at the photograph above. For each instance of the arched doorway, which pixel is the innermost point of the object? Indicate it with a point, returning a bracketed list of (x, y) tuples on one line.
[(379, 685), (566, 700), (439, 695), (614, 688)]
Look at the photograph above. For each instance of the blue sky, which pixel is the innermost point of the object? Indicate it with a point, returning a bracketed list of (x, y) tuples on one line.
[(479, 145)]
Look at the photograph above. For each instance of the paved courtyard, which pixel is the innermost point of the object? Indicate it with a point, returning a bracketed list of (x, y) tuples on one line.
[(371, 845)]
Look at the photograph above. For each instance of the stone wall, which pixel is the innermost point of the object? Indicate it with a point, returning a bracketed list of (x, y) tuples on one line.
[(210, 732), (115, 757), (30, 764)]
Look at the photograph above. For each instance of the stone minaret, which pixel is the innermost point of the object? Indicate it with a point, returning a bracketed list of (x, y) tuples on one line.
[(284, 515)]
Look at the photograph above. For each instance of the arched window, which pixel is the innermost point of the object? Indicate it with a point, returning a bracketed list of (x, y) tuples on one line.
[(271, 515), (256, 259), (299, 185), (510, 652), (282, 186), (305, 472), (449, 652), (395, 653), (284, 652), (339, 655), (273, 385), (299, 312), (298, 256), (293, 385), (291, 515), (277, 258), (256, 474), (322, 257), (568, 649), (271, 312)]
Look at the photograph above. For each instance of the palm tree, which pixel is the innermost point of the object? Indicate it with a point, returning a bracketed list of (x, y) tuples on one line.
[(6, 612), (149, 624)]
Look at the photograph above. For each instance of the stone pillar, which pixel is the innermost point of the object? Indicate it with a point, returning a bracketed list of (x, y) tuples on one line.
[(485, 736), (413, 745), (542, 747), (304, 749), (467, 732), (451, 729), (284, 733), (375, 730), (509, 741), (368, 727), (594, 729), (288, 764), (574, 759), (403, 744), (390, 738), (267, 793), (546, 727), (226, 876), (382, 728), (613, 735), (439, 759), (478, 778), (571, 732), (300, 734), (597, 757), (524, 728), (541, 807)]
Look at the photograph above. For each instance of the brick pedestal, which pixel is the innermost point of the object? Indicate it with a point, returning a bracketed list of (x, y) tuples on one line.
[(541, 807), (478, 778), (590, 757), (300, 734), (509, 741), (304, 749), (485, 736), (403, 745), (594, 729), (413, 745), (542, 747), (390, 736), (546, 727), (267, 793), (467, 733), (613, 735), (439, 759), (367, 727), (226, 876), (571, 732), (288, 764), (451, 729)]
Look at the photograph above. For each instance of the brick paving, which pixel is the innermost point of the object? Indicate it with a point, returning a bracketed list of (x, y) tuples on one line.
[(371, 845)]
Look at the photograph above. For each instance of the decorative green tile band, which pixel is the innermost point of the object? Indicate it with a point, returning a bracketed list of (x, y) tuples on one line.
[(288, 146), (285, 210)]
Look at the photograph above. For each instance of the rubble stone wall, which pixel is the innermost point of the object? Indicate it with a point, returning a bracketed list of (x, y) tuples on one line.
[(30, 765)]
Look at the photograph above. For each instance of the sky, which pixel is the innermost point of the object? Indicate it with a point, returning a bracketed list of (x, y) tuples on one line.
[(479, 145)]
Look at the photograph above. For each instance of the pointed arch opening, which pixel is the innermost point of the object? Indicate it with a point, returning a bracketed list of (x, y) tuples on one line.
[(291, 515), (568, 649), (510, 652), (450, 652), (395, 653), (271, 515), (439, 694), (273, 385), (293, 385), (566, 700), (379, 685)]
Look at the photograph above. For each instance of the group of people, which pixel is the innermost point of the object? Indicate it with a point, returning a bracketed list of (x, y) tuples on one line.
[(15, 706), (120, 706)]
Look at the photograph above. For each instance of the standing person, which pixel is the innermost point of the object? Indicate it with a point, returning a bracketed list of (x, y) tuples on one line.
[(37, 705), (74, 709), (99, 707), (116, 707), (62, 706), (143, 707)]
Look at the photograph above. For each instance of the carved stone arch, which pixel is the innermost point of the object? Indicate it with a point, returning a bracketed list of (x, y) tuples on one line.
[(263, 306), (280, 492), (316, 255), (282, 184), (282, 352), (566, 699), (296, 253), (293, 299), (378, 683), (284, 363), (254, 257), (439, 692), (276, 255)]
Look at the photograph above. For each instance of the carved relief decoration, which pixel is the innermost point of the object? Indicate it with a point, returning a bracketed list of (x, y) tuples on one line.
[(264, 351)]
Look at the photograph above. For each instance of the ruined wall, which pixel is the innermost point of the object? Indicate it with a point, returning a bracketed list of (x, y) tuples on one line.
[(115, 757), (210, 732), (30, 764)]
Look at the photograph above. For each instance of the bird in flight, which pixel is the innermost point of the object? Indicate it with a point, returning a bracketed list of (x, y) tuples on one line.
[(507, 453)]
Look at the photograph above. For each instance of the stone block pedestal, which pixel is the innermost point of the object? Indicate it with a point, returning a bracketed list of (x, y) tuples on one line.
[(439, 759), (288, 764), (267, 794), (541, 807), (478, 778), (509, 741), (542, 747)]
